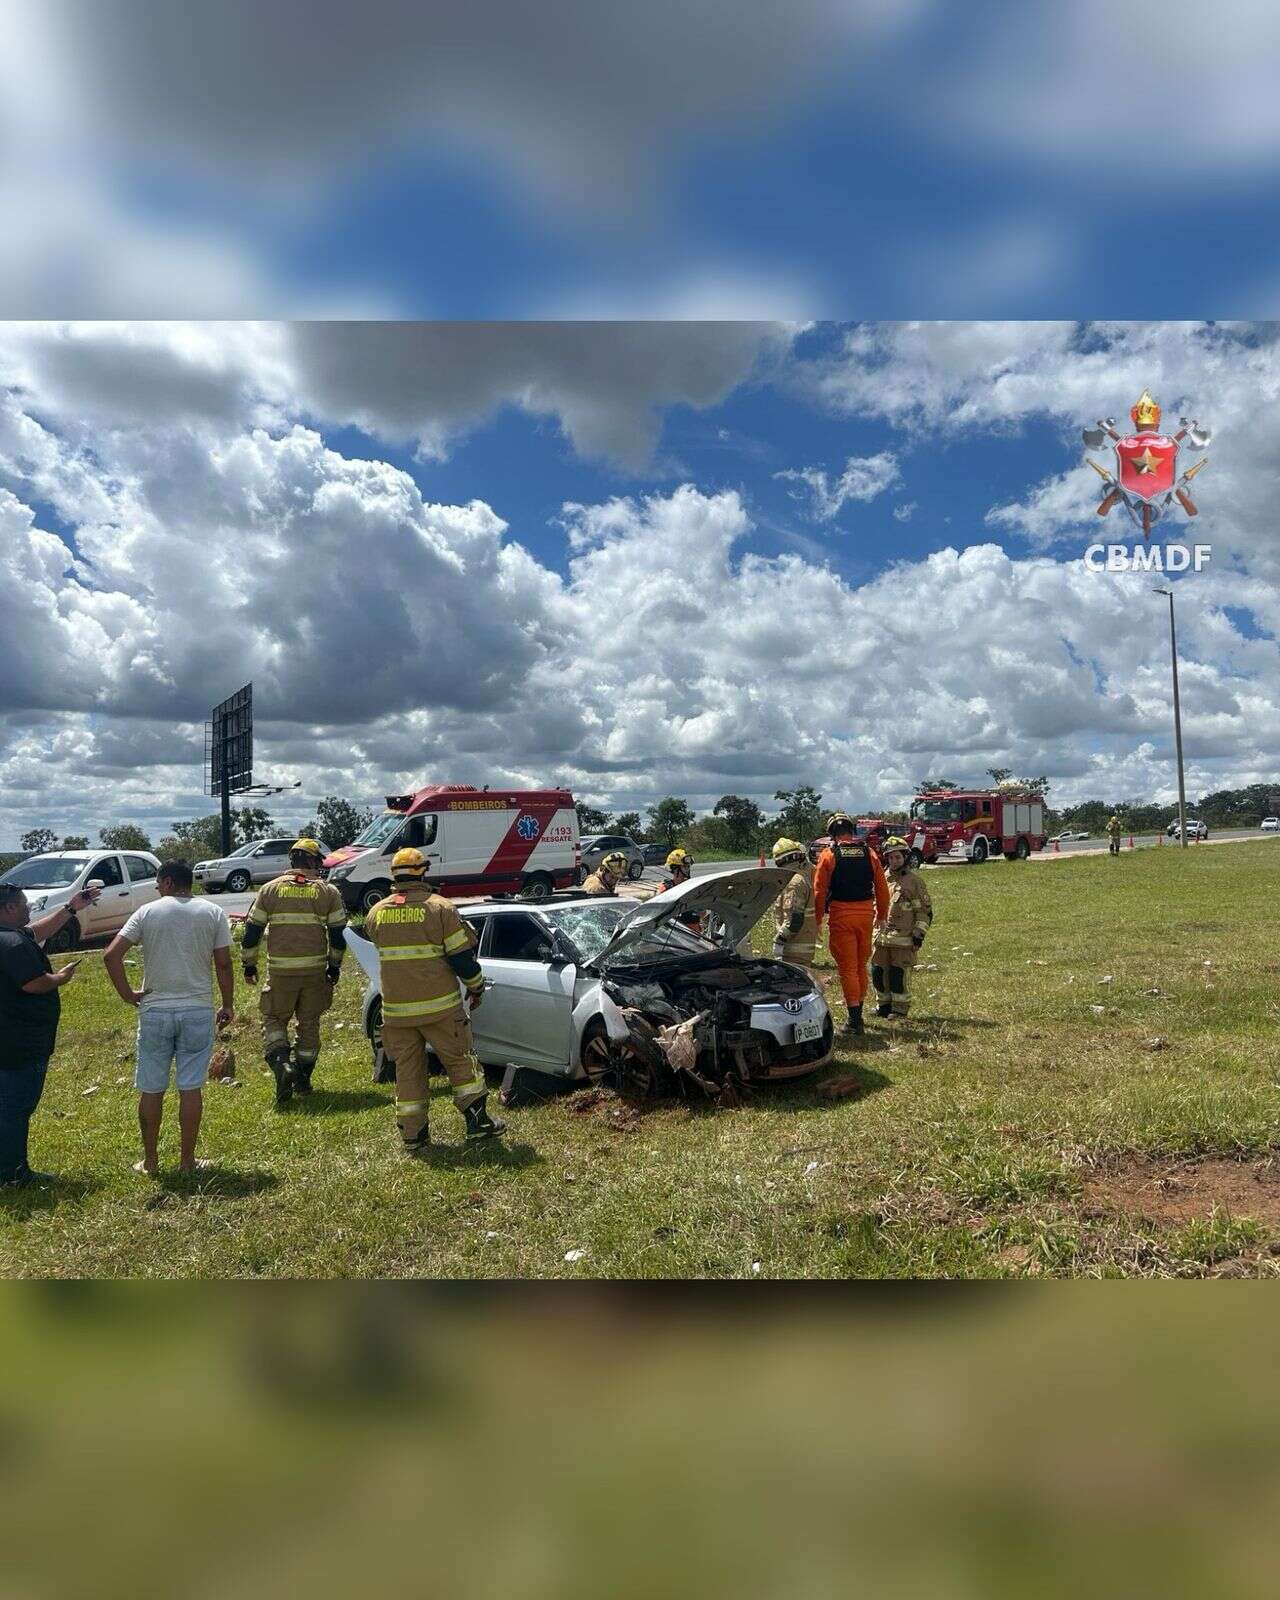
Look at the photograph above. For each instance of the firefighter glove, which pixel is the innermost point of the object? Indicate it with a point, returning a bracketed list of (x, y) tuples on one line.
[(333, 970), (917, 938), (796, 923), (250, 974), (475, 999)]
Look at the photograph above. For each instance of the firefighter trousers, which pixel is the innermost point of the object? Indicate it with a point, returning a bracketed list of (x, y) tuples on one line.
[(891, 975), (407, 1044), (849, 941), (304, 997)]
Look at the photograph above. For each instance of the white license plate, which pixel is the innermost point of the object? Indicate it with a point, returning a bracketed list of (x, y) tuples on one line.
[(804, 1031)]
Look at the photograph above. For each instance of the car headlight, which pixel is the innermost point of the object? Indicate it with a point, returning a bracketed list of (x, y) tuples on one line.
[(337, 874)]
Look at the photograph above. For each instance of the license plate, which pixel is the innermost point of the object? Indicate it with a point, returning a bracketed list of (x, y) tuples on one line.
[(804, 1031)]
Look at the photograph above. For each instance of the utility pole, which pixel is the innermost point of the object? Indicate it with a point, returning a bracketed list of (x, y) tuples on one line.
[(1177, 723)]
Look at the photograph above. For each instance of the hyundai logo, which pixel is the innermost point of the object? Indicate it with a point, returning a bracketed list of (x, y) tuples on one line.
[(793, 1006)]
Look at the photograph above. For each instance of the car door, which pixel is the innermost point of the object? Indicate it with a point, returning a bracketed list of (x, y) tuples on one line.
[(269, 860), (111, 910), (142, 881), (527, 1012)]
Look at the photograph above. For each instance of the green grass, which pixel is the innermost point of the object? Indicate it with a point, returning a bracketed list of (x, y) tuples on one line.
[(966, 1153)]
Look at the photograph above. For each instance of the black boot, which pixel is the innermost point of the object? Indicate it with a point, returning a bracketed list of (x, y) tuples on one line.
[(300, 1072), (885, 1008), (420, 1143), (854, 1024), (480, 1125), (278, 1061)]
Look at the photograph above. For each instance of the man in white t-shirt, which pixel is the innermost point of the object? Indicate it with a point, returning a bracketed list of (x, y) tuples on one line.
[(180, 937)]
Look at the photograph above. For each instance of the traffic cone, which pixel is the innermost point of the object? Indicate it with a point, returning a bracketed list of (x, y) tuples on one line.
[(762, 860)]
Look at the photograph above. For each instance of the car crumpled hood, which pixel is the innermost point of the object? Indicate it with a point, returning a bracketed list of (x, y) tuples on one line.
[(738, 899)]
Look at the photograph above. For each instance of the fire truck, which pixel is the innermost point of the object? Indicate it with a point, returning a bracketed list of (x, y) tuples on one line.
[(976, 824)]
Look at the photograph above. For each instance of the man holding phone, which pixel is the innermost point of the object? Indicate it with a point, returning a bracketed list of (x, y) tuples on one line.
[(29, 1011)]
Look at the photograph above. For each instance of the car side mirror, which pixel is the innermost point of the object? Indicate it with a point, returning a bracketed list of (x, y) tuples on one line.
[(95, 883), (553, 954)]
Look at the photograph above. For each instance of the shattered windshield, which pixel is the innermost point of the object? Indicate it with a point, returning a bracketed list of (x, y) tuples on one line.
[(589, 928), (46, 872)]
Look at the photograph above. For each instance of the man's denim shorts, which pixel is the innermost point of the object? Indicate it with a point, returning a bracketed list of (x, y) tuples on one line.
[(164, 1037)]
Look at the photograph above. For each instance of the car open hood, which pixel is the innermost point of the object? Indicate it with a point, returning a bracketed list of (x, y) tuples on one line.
[(738, 899)]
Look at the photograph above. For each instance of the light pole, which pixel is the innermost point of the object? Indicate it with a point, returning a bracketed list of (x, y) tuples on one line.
[(1177, 723)]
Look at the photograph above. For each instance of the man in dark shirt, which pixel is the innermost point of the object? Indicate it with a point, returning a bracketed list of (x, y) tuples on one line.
[(29, 1007)]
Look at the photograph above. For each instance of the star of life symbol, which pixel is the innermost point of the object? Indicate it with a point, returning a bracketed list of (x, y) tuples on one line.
[(527, 827), (1145, 480)]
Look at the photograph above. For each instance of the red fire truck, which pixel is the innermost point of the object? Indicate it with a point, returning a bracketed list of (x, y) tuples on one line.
[(975, 824)]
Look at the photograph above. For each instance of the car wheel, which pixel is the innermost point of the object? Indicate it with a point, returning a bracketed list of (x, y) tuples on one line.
[(371, 894), (980, 851), (914, 858), (66, 938), (384, 1071), (622, 1068), (237, 882), (635, 870), (536, 887), (1023, 850), (213, 888)]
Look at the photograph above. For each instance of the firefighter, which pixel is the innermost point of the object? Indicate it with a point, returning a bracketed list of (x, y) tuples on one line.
[(679, 869), (424, 949), (1113, 829), (849, 885), (797, 936), (608, 875), (898, 939), (303, 920)]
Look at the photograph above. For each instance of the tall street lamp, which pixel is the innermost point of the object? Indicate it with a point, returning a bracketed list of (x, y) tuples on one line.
[(1177, 723)]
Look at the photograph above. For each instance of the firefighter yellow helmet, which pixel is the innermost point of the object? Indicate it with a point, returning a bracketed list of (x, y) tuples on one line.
[(679, 857), (306, 847), (838, 820), (615, 863), (788, 852), (892, 843), (408, 864)]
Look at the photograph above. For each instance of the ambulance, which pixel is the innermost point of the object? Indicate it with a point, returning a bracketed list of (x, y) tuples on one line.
[(476, 841)]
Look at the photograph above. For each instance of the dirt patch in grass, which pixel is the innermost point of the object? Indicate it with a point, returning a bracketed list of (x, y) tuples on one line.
[(1171, 1192)]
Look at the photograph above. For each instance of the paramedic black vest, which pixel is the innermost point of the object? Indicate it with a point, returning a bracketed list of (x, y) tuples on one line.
[(851, 878)]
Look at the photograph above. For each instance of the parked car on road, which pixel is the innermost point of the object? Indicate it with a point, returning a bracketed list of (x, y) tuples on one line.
[(1069, 834), (598, 845), (1270, 824), (655, 855), (1195, 830), (127, 880), (561, 973), (253, 863)]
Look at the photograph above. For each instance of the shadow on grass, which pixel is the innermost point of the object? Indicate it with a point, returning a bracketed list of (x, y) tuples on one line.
[(220, 1183), (488, 1153), (328, 1102), (25, 1201)]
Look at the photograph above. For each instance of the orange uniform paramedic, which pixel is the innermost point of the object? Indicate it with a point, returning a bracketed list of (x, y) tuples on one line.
[(849, 886)]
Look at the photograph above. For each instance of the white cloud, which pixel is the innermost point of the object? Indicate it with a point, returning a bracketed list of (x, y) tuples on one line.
[(905, 511), (197, 533), (863, 478)]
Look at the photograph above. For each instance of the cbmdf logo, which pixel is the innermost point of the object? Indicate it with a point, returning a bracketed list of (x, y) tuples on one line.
[(1146, 481)]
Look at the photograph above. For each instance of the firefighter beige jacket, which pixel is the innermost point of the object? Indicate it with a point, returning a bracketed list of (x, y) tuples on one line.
[(297, 910), (416, 931), (797, 899), (910, 912)]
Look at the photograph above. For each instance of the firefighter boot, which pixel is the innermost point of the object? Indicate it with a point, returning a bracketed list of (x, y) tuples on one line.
[(300, 1072), (420, 1144), (854, 1024), (278, 1061), (885, 1006), (480, 1125)]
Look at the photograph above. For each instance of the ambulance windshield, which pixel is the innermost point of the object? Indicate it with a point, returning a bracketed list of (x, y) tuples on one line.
[(381, 829)]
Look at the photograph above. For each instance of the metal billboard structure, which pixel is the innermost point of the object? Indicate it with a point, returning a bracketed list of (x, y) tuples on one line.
[(228, 753)]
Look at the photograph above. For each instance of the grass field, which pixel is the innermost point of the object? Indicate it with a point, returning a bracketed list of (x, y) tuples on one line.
[(1032, 1118)]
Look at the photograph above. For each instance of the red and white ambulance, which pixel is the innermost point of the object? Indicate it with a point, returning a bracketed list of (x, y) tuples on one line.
[(476, 841), (976, 824)]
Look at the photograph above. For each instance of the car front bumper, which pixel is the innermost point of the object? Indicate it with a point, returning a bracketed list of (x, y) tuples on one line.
[(785, 1057)]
